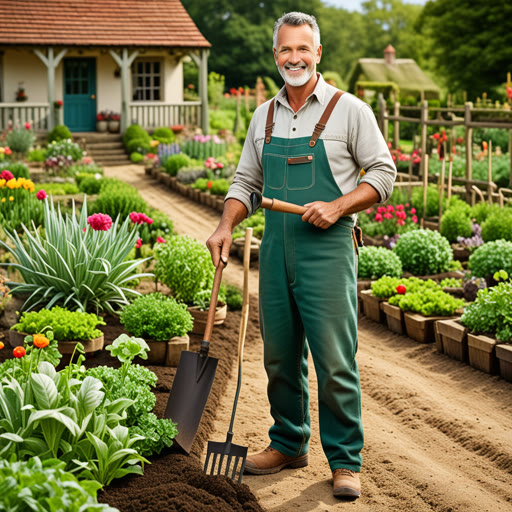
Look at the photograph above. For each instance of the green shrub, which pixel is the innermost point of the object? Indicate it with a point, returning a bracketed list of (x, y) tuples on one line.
[(20, 140), (375, 262), (135, 131), (17, 169), (481, 211), (164, 135), (255, 221), (456, 222), (432, 201), (428, 302), (234, 298), (66, 325), (90, 185), (79, 170), (58, 189), (498, 136), (491, 313), (176, 162), (142, 146), (219, 187), (490, 258), (424, 252), (185, 266), (201, 184), (60, 132), (156, 317), (136, 157), (36, 155), (118, 198), (498, 226), (64, 148), (385, 287)]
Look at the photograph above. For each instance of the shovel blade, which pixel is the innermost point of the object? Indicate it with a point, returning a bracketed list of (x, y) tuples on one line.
[(189, 393), (226, 459)]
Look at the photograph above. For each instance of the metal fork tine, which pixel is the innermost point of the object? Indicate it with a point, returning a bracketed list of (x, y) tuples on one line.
[(212, 472), (206, 463), (233, 474), (230, 457), (219, 471)]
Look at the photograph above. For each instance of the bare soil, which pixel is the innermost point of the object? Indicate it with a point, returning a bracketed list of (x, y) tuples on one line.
[(438, 433)]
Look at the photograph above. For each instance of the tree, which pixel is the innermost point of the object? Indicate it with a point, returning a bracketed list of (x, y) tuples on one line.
[(472, 42)]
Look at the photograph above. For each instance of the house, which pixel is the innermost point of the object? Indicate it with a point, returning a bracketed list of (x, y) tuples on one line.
[(403, 76), (67, 60)]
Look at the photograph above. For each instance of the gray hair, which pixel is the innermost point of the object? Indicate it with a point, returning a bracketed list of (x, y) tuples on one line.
[(297, 19)]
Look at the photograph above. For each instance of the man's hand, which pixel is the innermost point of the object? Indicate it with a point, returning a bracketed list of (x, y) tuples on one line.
[(219, 244), (321, 214)]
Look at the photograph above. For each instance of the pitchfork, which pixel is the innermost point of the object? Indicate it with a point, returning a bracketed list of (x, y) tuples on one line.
[(235, 453)]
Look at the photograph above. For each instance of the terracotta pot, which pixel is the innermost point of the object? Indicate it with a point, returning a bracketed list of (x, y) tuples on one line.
[(394, 318), (16, 339), (421, 328), (201, 316), (482, 353), (453, 339), (175, 346), (372, 306), (504, 355)]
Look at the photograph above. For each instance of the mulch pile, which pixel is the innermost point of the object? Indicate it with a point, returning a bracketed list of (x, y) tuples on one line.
[(175, 481)]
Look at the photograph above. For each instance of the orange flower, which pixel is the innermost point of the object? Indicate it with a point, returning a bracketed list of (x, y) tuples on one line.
[(40, 340), (1, 345), (18, 352)]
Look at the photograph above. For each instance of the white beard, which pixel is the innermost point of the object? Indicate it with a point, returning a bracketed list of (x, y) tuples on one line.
[(296, 81)]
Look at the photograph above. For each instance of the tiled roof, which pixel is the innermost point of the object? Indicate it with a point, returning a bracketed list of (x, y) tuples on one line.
[(98, 23)]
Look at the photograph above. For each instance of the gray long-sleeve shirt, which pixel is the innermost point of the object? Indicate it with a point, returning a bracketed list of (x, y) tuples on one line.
[(352, 141)]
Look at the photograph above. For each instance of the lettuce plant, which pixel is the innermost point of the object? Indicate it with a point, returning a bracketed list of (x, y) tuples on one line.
[(375, 262), (74, 265), (428, 302), (490, 258)]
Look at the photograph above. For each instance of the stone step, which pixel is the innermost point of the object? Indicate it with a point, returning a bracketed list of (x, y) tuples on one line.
[(109, 160), (98, 152), (92, 146)]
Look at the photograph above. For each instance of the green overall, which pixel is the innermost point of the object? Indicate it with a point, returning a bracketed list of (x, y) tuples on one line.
[(307, 291)]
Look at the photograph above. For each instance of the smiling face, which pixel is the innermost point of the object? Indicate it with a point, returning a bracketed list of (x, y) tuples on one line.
[(296, 56)]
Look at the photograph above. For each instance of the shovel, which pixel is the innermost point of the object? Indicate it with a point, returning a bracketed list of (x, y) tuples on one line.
[(235, 453), (194, 378)]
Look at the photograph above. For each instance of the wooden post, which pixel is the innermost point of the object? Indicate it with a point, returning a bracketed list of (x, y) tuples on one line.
[(450, 168), (423, 131), (441, 189), (396, 127), (489, 174), (469, 148), (510, 154), (425, 187)]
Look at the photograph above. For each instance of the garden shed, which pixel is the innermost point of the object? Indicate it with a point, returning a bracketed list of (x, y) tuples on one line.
[(67, 60), (403, 76)]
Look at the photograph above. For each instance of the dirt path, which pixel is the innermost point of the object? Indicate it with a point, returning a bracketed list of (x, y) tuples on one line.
[(438, 433)]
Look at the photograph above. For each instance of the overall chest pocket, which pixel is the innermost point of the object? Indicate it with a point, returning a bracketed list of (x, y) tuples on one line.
[(300, 172), (274, 169)]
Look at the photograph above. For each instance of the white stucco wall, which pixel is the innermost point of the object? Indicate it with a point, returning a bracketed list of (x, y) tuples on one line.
[(25, 67)]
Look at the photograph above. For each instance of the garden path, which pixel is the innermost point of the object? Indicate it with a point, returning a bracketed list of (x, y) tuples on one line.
[(437, 431)]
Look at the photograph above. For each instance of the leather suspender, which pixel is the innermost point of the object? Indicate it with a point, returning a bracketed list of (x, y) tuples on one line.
[(319, 127)]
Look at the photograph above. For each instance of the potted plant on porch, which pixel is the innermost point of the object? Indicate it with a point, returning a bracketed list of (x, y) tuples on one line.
[(114, 120), (102, 122)]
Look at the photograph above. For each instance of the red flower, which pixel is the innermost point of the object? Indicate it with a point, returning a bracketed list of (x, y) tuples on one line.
[(28, 126), (436, 136), (388, 215), (233, 90), (209, 185), (160, 240), (400, 289), (60, 103), (41, 194), (8, 151), (18, 352), (484, 145), (138, 243), (220, 165), (378, 217), (6, 175), (100, 222), (509, 92), (415, 219), (391, 208)]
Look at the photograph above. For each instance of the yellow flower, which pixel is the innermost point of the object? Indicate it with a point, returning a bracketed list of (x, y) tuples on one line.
[(3, 199), (11, 183), (154, 143), (2, 183), (11, 198), (2, 150)]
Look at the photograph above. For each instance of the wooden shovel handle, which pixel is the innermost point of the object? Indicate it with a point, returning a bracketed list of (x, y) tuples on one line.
[(281, 206), (213, 301)]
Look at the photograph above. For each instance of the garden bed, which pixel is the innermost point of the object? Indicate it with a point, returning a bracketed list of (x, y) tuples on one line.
[(173, 480)]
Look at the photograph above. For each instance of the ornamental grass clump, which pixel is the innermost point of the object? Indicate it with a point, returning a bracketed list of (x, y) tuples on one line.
[(157, 317), (375, 262), (185, 266), (73, 264), (490, 258), (424, 252)]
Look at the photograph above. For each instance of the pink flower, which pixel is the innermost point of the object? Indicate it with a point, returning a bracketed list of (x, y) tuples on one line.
[(140, 218), (99, 222), (415, 219), (41, 194), (417, 160), (391, 208), (400, 207), (381, 209), (389, 145), (368, 211), (138, 243), (400, 222), (220, 165), (87, 160), (6, 175), (413, 211), (207, 163), (388, 215), (160, 240), (84, 230), (407, 205), (28, 126), (378, 217)]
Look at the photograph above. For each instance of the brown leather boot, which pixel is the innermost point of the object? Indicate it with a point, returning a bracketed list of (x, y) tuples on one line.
[(271, 461), (346, 483)]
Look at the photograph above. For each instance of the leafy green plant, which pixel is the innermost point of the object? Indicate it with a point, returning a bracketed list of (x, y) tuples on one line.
[(80, 169), (176, 162), (117, 198), (451, 282), (156, 434), (255, 221), (126, 349), (74, 265), (201, 184), (491, 313), (135, 131), (20, 140), (428, 302), (24, 210), (481, 211), (91, 184), (498, 226), (157, 317), (60, 132), (164, 135), (456, 222), (219, 187), (141, 146), (136, 157), (58, 189), (185, 266), (18, 169), (45, 486), (65, 148), (375, 262), (66, 325), (490, 258), (234, 298), (36, 155), (386, 286), (424, 252)]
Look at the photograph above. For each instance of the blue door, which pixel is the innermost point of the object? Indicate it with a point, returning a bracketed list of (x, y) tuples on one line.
[(80, 94)]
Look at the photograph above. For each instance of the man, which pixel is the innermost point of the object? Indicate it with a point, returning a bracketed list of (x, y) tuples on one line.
[(307, 146)]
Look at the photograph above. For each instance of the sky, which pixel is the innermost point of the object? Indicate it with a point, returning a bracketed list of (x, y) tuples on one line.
[(355, 5)]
